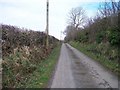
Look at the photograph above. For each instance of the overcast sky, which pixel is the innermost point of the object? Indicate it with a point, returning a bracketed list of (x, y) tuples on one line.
[(31, 14)]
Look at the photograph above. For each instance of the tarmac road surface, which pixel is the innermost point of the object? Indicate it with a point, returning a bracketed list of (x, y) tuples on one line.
[(76, 70)]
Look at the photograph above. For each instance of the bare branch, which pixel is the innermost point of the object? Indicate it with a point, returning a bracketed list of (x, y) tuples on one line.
[(77, 17)]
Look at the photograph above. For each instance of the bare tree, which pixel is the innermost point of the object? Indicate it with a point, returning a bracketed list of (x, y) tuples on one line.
[(70, 32), (108, 8), (105, 9), (77, 17), (115, 6)]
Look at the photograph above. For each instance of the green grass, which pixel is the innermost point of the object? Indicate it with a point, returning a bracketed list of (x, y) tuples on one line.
[(110, 64), (41, 76)]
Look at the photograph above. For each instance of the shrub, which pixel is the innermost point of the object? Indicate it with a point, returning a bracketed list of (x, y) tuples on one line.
[(100, 36), (114, 36), (22, 51)]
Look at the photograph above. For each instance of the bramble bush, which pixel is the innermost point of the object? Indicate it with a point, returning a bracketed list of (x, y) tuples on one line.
[(22, 51), (114, 36)]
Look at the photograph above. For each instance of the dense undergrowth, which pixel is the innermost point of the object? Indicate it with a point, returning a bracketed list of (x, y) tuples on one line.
[(22, 52), (99, 38), (42, 75)]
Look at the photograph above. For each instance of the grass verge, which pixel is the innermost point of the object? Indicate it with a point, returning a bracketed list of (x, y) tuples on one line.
[(111, 65), (41, 76)]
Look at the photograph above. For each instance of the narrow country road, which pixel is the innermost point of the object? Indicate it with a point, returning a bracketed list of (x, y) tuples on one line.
[(76, 70)]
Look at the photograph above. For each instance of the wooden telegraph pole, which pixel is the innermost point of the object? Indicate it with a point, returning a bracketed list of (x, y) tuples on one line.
[(47, 24)]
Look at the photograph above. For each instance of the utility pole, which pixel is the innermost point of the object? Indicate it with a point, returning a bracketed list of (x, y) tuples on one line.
[(60, 35), (47, 24), (61, 32)]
